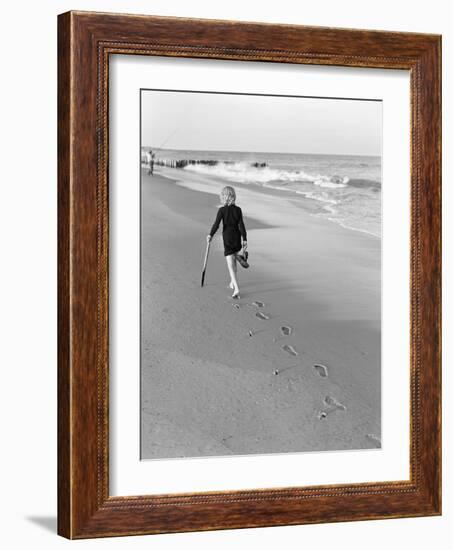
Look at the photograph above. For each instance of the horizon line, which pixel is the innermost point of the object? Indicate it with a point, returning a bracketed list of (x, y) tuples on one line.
[(261, 152)]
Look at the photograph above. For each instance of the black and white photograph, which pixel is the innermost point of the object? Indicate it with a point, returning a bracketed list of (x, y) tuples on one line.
[(260, 274)]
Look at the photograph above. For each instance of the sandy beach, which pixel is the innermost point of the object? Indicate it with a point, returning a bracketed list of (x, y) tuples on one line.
[(222, 377)]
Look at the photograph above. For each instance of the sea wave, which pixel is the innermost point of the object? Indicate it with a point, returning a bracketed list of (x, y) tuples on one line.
[(321, 197), (365, 183), (243, 172), (332, 181), (345, 191)]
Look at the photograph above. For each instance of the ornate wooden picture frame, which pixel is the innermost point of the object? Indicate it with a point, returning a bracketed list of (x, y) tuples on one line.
[(85, 42)]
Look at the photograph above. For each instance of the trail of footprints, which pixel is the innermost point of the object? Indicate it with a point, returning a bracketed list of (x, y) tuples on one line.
[(330, 404)]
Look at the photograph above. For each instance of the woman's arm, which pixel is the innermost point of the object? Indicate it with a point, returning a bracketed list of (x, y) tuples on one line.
[(216, 223)]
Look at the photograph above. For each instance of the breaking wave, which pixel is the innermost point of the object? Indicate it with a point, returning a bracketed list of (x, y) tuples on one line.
[(345, 189), (243, 172)]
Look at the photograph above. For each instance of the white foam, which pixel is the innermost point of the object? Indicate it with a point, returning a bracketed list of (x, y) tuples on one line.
[(321, 197), (332, 182), (243, 172)]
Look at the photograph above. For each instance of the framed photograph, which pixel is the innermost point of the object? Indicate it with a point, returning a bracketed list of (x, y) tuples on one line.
[(249, 275)]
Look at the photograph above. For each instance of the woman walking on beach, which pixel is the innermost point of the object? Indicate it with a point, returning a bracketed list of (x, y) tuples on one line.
[(233, 230)]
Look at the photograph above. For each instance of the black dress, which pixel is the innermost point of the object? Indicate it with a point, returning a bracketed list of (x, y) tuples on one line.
[(233, 228)]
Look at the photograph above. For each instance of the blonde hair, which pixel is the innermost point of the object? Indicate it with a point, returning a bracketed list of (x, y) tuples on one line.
[(227, 196)]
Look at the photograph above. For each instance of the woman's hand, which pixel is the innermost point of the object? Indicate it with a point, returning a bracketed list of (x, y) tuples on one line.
[(208, 238), (244, 245)]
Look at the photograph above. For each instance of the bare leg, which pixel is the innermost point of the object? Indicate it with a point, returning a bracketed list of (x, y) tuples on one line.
[(233, 285), (232, 269)]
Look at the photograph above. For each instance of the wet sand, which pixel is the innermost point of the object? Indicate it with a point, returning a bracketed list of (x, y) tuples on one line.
[(294, 365)]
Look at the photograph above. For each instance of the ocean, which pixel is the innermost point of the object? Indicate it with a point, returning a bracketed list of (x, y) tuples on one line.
[(343, 188)]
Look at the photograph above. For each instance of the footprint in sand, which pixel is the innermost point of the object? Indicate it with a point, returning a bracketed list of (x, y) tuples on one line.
[(321, 370), (289, 349), (286, 331), (333, 405), (258, 304), (332, 402), (262, 316), (237, 306), (375, 439)]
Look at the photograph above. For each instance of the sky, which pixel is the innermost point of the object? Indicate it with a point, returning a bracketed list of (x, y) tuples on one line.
[(228, 122)]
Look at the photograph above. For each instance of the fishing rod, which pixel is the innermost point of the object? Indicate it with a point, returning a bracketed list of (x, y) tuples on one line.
[(167, 139)]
